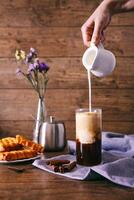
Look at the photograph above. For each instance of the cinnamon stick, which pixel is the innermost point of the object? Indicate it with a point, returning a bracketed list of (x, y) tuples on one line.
[(67, 167)]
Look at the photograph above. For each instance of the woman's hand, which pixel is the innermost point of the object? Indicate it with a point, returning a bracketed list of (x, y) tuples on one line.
[(93, 28)]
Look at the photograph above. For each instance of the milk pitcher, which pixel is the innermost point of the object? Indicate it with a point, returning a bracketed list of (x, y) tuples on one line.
[(99, 61)]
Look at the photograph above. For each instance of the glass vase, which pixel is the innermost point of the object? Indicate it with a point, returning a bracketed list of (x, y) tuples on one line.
[(40, 118)]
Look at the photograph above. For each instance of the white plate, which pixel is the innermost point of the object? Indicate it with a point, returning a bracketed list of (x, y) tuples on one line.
[(19, 161)]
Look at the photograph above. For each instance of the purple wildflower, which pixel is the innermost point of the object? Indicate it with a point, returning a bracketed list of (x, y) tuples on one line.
[(32, 50), (31, 55), (31, 67), (43, 67), (34, 68), (18, 71)]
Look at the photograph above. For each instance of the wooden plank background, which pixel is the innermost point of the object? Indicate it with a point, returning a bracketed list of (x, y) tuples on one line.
[(53, 27)]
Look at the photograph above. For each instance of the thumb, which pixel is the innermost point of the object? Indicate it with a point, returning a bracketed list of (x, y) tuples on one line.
[(96, 33)]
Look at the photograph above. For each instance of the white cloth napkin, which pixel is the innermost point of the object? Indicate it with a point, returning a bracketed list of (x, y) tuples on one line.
[(117, 161)]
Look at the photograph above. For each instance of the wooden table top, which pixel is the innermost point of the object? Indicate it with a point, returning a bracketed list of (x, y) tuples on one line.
[(36, 184)]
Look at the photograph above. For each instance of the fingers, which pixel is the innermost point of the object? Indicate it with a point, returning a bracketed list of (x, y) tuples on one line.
[(87, 31), (97, 33), (92, 32)]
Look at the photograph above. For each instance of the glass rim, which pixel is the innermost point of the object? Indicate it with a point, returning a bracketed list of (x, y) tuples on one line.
[(87, 110)]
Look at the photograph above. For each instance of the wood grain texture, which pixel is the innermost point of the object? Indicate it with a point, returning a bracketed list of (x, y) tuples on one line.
[(114, 126), (68, 73), (53, 13), (62, 42), (36, 184), (12, 128), (21, 104)]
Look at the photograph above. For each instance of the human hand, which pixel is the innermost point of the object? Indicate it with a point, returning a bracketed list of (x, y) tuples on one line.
[(93, 28)]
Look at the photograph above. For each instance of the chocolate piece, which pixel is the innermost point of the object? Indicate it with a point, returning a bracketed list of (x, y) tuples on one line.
[(54, 168), (57, 162), (61, 166)]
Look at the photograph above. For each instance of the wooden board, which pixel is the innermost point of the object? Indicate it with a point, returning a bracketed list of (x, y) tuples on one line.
[(61, 42), (53, 13), (117, 104), (68, 73), (12, 128), (116, 126)]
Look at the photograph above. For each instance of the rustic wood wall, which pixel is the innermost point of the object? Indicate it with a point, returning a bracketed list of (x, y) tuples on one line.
[(53, 27)]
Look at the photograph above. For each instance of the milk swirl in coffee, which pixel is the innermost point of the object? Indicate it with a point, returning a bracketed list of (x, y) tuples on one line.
[(88, 134)]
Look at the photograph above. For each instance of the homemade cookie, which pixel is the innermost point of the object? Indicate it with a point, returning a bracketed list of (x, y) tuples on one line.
[(15, 155), (9, 144), (28, 143)]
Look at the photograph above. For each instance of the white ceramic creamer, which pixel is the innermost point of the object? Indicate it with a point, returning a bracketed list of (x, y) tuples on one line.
[(99, 61)]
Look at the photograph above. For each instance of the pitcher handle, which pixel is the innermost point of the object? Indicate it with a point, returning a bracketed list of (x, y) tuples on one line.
[(100, 45)]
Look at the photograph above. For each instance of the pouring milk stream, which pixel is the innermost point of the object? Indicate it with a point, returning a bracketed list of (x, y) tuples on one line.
[(98, 61)]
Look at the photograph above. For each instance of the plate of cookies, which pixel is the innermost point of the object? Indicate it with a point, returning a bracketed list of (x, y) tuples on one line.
[(19, 149)]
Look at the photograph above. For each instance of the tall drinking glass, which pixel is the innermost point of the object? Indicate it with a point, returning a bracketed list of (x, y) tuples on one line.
[(88, 136)]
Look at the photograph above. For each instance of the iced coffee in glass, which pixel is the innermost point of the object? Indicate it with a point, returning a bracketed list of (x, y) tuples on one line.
[(88, 136)]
